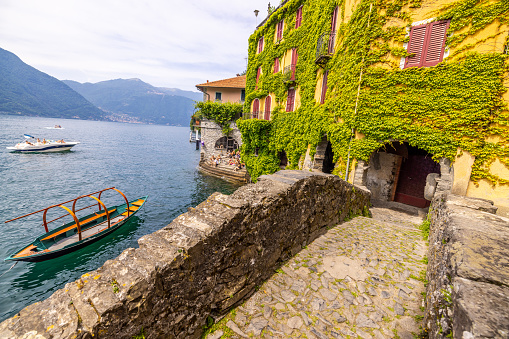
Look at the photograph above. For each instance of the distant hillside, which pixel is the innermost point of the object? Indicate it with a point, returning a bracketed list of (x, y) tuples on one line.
[(133, 100), (196, 96), (26, 91)]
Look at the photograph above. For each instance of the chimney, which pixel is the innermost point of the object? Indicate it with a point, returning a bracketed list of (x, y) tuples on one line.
[(207, 81)]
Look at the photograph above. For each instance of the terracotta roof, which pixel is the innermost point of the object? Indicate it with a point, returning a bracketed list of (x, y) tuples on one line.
[(237, 82)]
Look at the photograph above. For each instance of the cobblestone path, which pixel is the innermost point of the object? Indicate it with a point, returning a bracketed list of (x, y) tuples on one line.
[(360, 279)]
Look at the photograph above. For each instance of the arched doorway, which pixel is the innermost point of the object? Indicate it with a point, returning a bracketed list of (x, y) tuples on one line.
[(268, 101), (256, 108), (283, 160), (324, 157)]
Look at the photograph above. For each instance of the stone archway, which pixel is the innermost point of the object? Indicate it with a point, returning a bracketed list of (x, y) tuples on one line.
[(226, 143), (324, 157), (402, 173)]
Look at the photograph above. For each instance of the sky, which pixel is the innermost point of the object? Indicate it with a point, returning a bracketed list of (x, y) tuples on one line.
[(166, 43)]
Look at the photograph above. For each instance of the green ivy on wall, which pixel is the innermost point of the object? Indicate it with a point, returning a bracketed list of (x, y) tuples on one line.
[(221, 113), (456, 104)]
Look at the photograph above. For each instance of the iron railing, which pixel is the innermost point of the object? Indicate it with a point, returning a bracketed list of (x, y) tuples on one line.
[(256, 115), (325, 47)]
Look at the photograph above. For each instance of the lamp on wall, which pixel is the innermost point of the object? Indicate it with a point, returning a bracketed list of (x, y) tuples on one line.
[(256, 15)]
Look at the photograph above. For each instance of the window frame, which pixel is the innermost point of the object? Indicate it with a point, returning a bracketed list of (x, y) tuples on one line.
[(324, 86), (290, 104), (268, 99), (256, 103), (276, 62), (260, 45), (298, 17), (219, 96), (279, 30)]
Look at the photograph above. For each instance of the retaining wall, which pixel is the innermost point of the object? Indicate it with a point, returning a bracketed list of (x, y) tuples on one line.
[(203, 263), (468, 270)]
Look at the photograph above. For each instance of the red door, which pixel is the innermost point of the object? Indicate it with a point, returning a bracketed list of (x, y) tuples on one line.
[(268, 101)]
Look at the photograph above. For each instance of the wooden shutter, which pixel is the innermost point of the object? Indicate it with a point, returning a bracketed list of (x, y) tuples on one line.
[(280, 30), (256, 108), (435, 43), (268, 101), (276, 65), (293, 64), (416, 46), (290, 100), (298, 19), (324, 86), (332, 36), (260, 45), (427, 44), (258, 73)]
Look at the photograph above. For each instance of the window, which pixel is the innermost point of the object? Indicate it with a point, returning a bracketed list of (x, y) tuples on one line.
[(242, 95), (276, 65), (332, 37), (256, 108), (268, 101), (324, 86), (279, 31), (260, 45), (293, 65), (218, 96), (298, 19), (258, 73), (290, 100), (427, 44)]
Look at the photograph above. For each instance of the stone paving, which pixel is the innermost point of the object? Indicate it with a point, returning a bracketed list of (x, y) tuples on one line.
[(359, 280)]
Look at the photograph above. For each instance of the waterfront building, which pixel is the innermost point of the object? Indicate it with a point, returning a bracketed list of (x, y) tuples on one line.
[(226, 90), (407, 98)]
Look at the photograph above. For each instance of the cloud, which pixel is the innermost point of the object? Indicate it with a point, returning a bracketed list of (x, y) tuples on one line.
[(167, 43)]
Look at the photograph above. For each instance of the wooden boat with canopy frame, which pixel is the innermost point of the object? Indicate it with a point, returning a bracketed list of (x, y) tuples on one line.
[(81, 231)]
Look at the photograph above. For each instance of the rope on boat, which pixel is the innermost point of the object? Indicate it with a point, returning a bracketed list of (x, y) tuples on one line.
[(9, 268)]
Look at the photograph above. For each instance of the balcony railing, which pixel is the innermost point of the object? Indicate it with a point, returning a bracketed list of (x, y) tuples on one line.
[(256, 115), (289, 73), (325, 47)]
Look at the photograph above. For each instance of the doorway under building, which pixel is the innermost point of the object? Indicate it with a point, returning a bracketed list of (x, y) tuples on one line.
[(398, 173), (324, 157)]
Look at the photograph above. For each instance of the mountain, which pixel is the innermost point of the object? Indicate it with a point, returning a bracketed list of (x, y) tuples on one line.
[(26, 91), (133, 100), (196, 96)]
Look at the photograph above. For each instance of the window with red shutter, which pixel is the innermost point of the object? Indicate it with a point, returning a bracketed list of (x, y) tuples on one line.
[(290, 100), (258, 73), (276, 65), (260, 45), (298, 19), (293, 65), (268, 101), (332, 36), (427, 44), (280, 26), (256, 108), (324, 86)]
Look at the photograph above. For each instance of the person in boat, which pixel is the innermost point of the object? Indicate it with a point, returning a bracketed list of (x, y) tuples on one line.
[(38, 140), (44, 141), (28, 142)]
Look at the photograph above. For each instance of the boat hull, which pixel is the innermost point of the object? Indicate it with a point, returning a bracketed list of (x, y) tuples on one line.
[(48, 254), (53, 147)]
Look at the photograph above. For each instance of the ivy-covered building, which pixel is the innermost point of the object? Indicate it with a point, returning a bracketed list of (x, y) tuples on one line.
[(402, 96)]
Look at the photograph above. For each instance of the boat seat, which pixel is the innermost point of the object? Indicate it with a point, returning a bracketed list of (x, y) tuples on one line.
[(83, 222), (132, 209), (138, 202)]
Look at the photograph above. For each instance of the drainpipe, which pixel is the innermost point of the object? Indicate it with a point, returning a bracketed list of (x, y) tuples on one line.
[(352, 133)]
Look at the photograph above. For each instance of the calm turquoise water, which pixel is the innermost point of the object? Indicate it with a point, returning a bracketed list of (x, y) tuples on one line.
[(137, 159)]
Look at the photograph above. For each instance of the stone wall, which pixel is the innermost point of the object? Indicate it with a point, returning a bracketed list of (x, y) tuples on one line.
[(468, 270), (210, 133), (203, 263)]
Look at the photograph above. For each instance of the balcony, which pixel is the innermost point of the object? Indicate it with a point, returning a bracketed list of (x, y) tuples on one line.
[(325, 47), (289, 73), (256, 115)]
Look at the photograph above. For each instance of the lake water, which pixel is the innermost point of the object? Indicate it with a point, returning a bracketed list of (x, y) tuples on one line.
[(158, 161)]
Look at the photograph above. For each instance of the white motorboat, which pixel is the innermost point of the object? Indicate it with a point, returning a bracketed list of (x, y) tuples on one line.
[(31, 145), (55, 127)]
